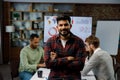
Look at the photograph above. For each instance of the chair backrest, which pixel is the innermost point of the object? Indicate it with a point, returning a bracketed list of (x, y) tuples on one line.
[(116, 67), (14, 65), (1, 76)]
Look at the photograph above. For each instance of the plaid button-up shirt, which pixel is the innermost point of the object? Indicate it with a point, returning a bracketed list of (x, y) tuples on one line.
[(61, 68)]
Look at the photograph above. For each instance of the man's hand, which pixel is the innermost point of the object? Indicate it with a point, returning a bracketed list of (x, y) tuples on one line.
[(41, 65), (53, 55), (70, 58)]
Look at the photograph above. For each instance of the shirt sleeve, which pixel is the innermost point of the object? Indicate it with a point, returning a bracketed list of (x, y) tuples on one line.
[(25, 64), (93, 61), (53, 63), (79, 61), (42, 56)]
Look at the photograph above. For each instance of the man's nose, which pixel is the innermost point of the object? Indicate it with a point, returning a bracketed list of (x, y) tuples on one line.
[(64, 26)]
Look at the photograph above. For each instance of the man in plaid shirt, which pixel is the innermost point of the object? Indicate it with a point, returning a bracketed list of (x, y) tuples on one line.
[(64, 53)]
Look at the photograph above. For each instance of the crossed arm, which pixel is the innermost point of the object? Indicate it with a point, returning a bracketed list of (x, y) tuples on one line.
[(72, 62)]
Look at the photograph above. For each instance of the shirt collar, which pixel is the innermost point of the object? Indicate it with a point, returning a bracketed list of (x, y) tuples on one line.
[(97, 49)]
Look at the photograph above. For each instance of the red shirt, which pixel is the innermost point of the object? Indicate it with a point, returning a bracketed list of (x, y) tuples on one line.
[(60, 66)]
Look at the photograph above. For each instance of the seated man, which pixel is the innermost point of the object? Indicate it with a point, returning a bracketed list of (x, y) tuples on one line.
[(100, 61), (30, 57)]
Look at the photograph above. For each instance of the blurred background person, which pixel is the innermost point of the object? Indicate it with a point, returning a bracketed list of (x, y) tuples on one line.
[(100, 62), (30, 58)]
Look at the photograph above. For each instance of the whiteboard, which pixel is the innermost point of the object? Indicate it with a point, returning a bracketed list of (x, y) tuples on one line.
[(108, 32), (81, 26)]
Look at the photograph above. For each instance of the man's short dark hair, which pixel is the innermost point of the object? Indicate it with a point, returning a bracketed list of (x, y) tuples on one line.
[(64, 17), (32, 36)]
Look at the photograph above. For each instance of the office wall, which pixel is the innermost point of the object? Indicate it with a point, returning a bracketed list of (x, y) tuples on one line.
[(71, 1), (98, 11)]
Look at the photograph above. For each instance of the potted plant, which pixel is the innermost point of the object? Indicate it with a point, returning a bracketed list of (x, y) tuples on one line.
[(16, 16)]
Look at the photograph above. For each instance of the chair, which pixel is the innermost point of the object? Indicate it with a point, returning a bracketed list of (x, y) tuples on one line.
[(1, 76), (14, 65), (116, 68)]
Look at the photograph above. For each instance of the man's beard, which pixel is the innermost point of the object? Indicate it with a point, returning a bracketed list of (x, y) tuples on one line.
[(65, 34), (34, 47), (91, 51)]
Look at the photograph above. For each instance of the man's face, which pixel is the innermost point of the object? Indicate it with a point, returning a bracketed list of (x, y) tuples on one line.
[(64, 27), (34, 43), (88, 47)]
